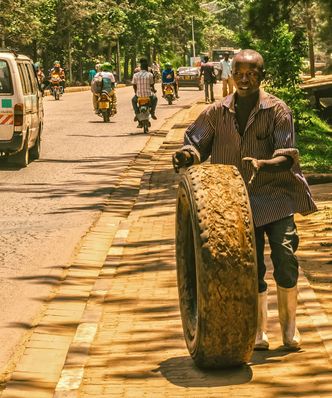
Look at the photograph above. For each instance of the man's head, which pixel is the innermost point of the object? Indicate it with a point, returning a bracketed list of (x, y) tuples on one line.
[(144, 63), (226, 56), (56, 64), (248, 72), (168, 65), (206, 58)]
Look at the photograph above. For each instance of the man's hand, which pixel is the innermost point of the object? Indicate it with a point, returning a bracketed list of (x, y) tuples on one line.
[(182, 159), (256, 166)]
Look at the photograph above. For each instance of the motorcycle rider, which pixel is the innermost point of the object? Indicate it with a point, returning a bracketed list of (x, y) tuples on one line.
[(57, 73), (104, 81), (155, 69), (143, 84), (169, 76)]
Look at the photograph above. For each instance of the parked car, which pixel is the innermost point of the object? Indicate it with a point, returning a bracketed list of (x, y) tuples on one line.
[(189, 76), (21, 108)]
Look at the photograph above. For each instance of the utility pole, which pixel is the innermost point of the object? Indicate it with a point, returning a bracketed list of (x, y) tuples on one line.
[(193, 36)]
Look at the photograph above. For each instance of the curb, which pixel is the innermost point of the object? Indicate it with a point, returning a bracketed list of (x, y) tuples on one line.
[(80, 89), (315, 179)]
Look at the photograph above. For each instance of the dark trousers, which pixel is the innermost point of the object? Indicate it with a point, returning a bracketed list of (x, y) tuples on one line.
[(153, 104), (208, 85), (283, 240)]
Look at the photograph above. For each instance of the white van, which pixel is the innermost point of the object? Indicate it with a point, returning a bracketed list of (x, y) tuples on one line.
[(21, 108)]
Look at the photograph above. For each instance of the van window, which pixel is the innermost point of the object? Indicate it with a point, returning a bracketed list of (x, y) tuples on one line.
[(32, 78), (24, 79), (6, 86)]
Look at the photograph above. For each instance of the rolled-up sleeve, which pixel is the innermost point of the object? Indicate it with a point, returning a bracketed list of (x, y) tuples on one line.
[(199, 136), (284, 136)]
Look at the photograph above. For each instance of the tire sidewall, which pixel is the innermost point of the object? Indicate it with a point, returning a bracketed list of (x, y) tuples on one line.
[(186, 186)]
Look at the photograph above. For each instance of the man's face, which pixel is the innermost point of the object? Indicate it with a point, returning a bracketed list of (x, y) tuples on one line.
[(247, 77)]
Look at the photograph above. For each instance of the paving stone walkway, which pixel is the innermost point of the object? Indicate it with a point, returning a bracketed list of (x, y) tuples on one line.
[(139, 350)]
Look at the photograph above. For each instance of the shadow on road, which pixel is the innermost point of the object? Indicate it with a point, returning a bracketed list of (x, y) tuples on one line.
[(182, 372)]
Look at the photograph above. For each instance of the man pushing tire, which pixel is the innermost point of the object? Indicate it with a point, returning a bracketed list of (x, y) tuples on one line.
[(253, 131)]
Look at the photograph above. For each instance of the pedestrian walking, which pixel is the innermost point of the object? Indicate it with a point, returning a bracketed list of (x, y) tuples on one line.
[(254, 131), (226, 75), (207, 70)]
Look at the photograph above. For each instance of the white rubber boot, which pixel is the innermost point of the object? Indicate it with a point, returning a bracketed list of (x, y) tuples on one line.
[(262, 341), (287, 303)]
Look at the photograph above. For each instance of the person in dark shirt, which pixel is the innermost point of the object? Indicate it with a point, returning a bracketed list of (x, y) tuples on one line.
[(207, 70)]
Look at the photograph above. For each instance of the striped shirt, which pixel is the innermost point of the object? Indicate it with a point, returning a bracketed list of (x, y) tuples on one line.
[(269, 133), (143, 80)]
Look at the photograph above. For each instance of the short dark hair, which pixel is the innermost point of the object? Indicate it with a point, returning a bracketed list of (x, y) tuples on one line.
[(206, 58), (252, 55), (144, 63)]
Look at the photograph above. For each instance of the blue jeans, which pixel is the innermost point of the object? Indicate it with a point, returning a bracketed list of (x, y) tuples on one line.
[(153, 104), (283, 240)]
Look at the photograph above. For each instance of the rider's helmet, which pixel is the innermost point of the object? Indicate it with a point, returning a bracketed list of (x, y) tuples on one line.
[(168, 65), (56, 64), (107, 67), (36, 66)]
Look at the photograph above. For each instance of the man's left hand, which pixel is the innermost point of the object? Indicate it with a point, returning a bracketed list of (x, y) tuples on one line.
[(256, 164)]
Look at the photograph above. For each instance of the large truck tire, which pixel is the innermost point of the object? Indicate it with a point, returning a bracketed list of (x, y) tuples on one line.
[(216, 266)]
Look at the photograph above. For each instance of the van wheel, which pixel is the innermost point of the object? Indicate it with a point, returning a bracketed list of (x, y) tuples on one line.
[(35, 150), (216, 266), (22, 157)]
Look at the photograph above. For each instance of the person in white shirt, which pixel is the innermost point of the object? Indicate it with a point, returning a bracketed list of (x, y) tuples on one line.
[(103, 81), (226, 75)]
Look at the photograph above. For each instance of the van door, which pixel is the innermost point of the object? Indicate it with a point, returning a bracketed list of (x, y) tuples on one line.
[(34, 101), (27, 101), (6, 102)]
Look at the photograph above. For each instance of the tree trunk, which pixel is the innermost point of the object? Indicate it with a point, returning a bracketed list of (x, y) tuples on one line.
[(133, 61), (118, 60), (3, 41), (126, 66), (310, 39), (70, 70), (109, 51)]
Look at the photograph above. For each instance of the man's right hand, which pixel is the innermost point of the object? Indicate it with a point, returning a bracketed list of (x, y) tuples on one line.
[(182, 159)]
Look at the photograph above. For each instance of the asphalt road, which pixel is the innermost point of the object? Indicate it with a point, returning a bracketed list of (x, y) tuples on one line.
[(47, 207)]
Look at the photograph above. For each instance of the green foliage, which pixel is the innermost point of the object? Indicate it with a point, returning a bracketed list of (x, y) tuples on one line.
[(294, 98), (315, 146), (283, 55)]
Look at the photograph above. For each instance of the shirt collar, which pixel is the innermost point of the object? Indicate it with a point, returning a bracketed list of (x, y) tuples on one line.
[(265, 101)]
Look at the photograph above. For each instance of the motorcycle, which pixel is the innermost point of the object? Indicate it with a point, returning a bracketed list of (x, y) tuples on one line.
[(169, 93), (106, 105), (143, 115), (55, 87)]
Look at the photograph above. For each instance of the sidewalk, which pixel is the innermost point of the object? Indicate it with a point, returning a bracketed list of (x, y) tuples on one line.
[(113, 327)]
